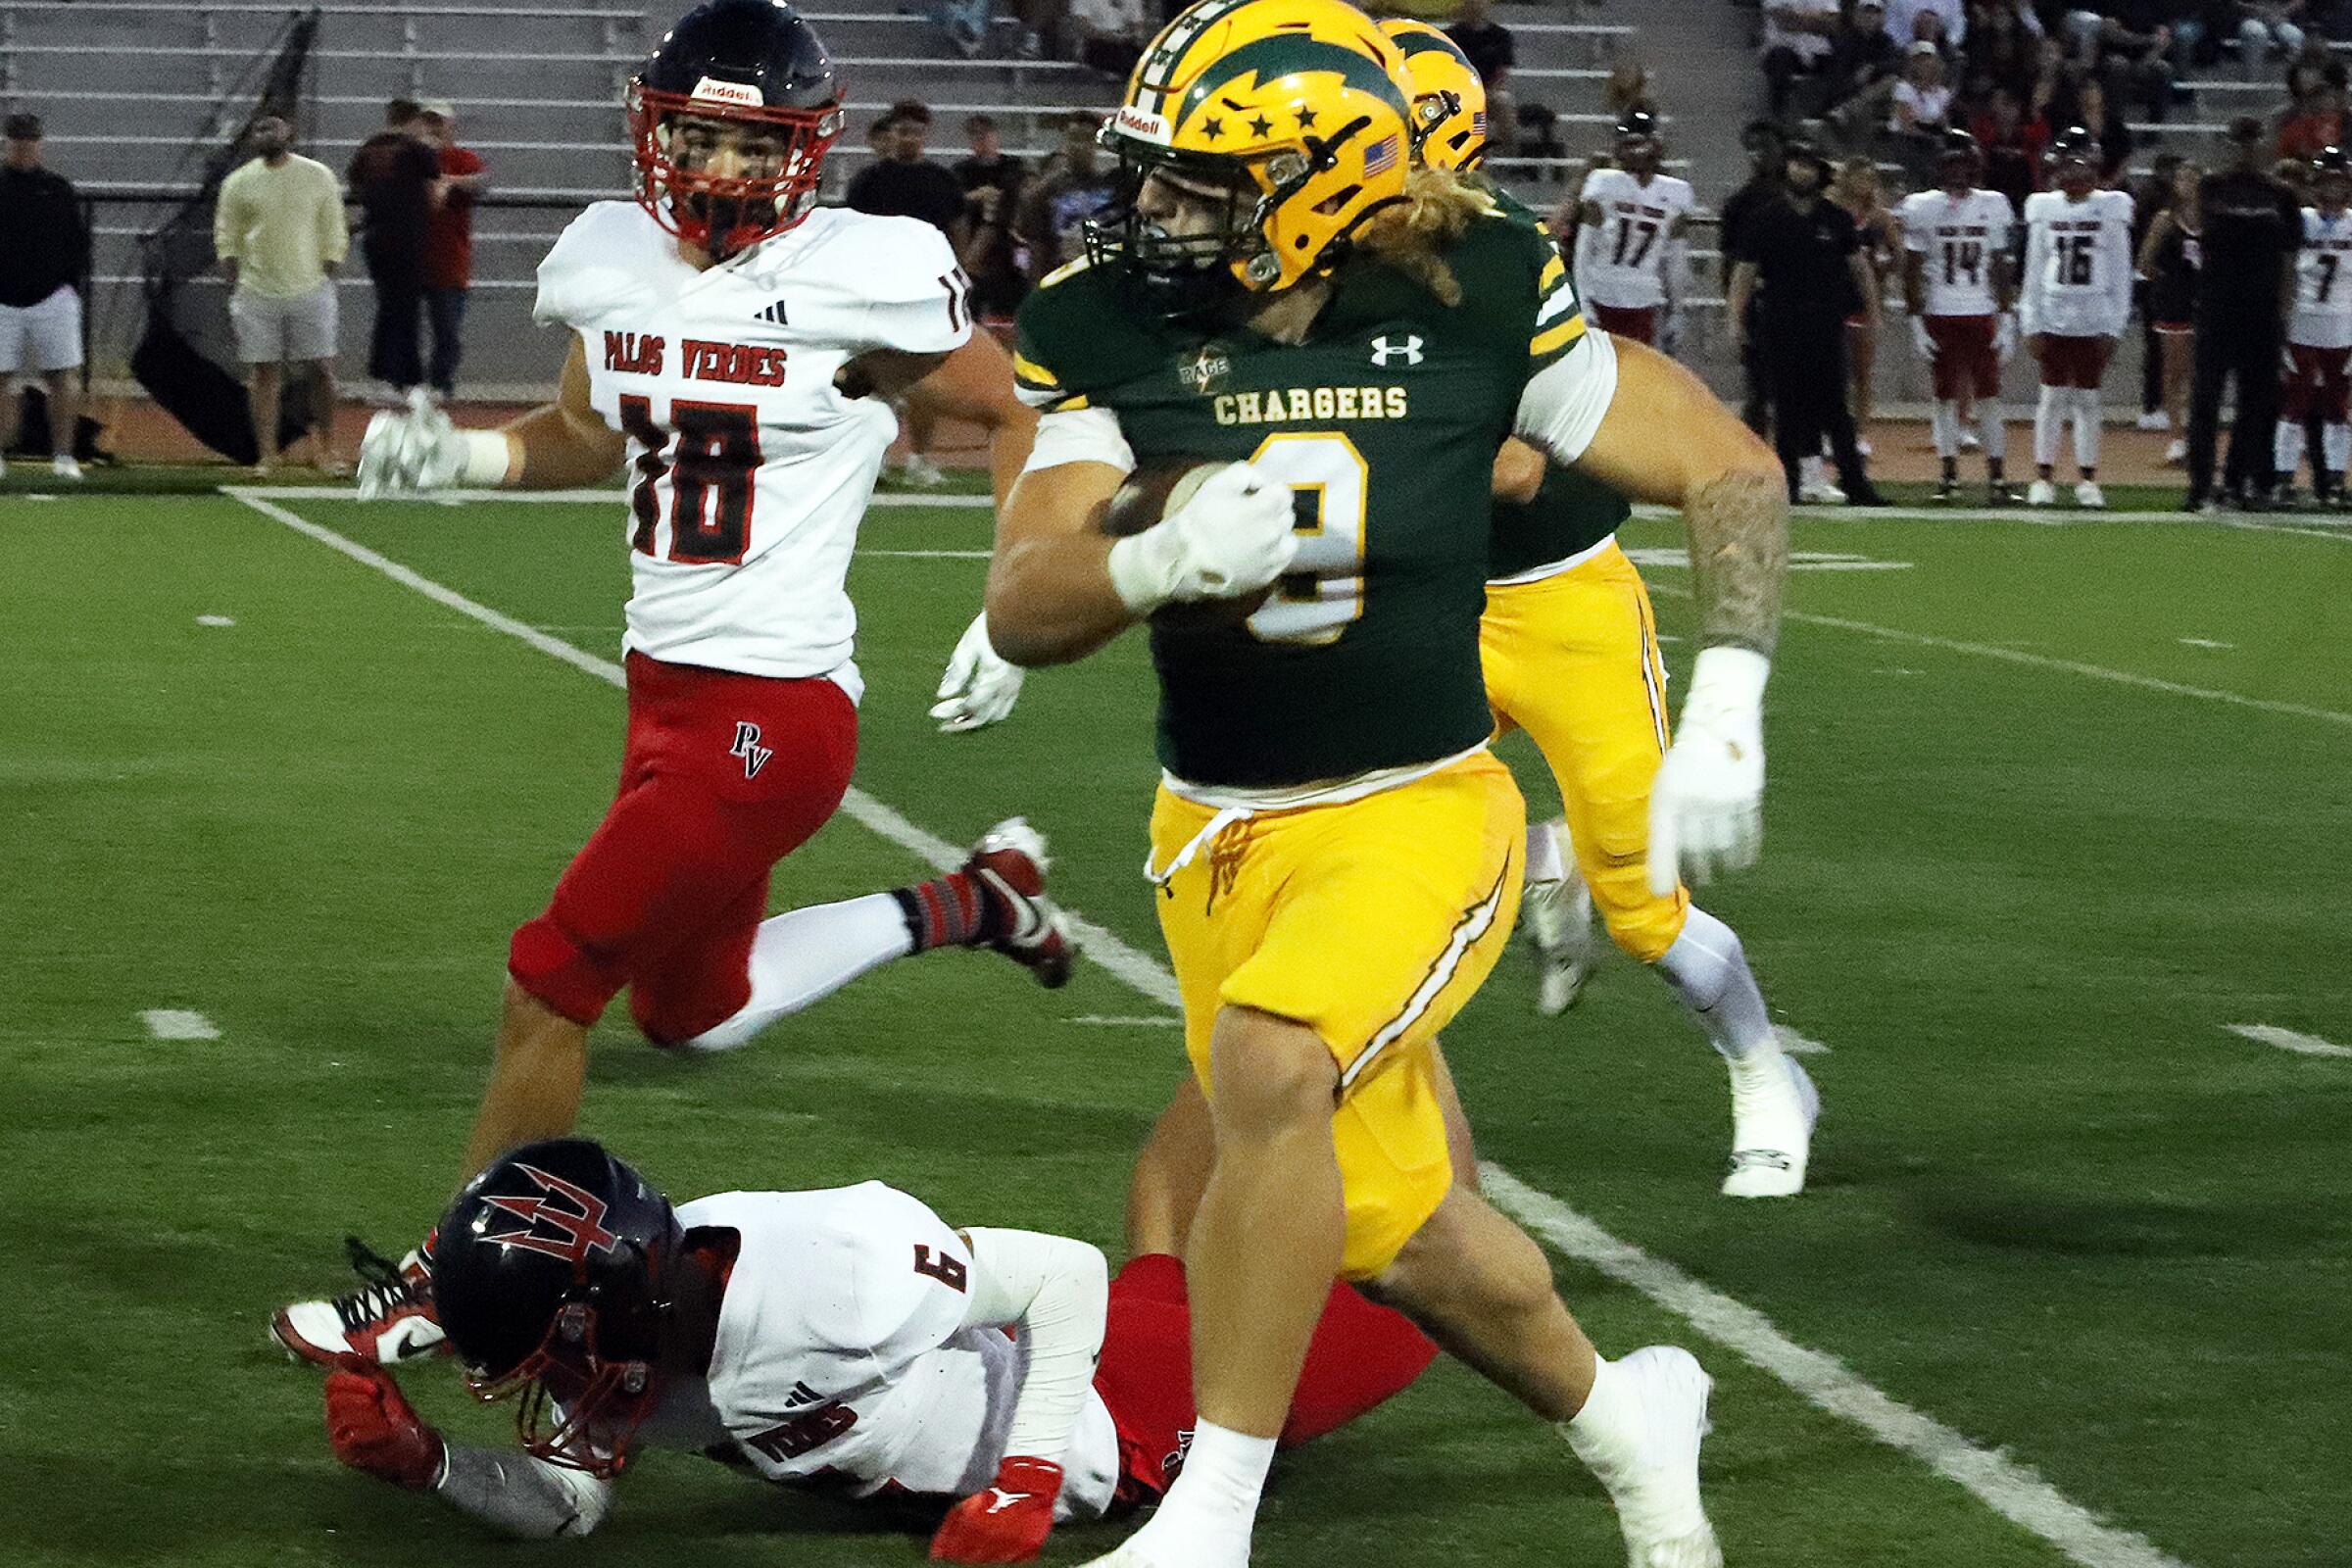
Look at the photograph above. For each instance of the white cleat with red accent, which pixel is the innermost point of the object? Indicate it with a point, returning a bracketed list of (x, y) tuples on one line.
[(1008, 866), (389, 1319)]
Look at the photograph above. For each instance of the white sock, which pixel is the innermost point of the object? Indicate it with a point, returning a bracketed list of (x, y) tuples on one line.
[(1606, 1434), (1708, 970), (802, 954), (2088, 426), (1992, 431), (2047, 421), (2288, 448), (1213, 1500), (2335, 445), (1944, 426), (1546, 861)]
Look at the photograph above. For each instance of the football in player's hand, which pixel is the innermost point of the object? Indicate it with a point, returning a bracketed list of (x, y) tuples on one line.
[(1152, 492)]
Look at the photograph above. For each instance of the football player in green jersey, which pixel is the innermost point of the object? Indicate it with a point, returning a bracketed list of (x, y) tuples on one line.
[(1571, 652), (1344, 349)]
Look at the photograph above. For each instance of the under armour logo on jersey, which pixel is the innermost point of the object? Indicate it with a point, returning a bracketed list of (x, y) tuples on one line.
[(747, 746), (1385, 349), (548, 1227), (775, 312)]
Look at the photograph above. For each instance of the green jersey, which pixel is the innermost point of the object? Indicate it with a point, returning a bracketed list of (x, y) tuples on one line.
[(1570, 513), (1385, 421)]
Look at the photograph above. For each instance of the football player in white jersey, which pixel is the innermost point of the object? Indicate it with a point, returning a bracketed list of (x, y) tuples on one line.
[(846, 1340), (1631, 257), (727, 332), (2319, 336), (2076, 302), (1959, 282)]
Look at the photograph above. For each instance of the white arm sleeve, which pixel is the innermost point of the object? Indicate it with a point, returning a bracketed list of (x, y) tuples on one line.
[(917, 301), (524, 1495), (1059, 1291), (1080, 435), (1563, 403)]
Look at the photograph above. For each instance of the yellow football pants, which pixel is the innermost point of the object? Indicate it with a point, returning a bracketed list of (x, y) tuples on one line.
[(1371, 922), (1573, 660)]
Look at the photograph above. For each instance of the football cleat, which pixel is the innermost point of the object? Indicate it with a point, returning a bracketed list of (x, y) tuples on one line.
[(1821, 493), (389, 1319), (2153, 419), (1773, 1106), (1009, 866), (2089, 497), (1657, 1494), (2176, 454), (1558, 911), (1948, 491), (2041, 493)]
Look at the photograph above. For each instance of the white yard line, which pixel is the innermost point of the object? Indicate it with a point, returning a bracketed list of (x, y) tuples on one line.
[(2011, 1490), (1158, 1020), (215, 620), (886, 501), (2204, 642), (176, 1023), (2314, 528), (2288, 1040)]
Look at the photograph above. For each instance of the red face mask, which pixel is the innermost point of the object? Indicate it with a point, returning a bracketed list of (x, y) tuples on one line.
[(575, 1408), (727, 215)]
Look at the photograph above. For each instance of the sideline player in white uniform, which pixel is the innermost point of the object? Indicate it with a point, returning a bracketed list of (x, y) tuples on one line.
[(844, 1339), (2319, 336), (2076, 302), (1631, 257), (727, 332), (1958, 281)]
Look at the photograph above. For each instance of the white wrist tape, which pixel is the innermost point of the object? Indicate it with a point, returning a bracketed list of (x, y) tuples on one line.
[(489, 458), (1142, 569), (1725, 678)]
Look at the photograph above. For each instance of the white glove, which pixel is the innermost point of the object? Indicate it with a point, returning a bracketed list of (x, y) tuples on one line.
[(2004, 339), (1919, 339), (1706, 805), (1230, 537), (411, 450), (979, 688)]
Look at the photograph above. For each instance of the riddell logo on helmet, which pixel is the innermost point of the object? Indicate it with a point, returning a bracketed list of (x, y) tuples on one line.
[(570, 1234), (713, 91), (1142, 122)]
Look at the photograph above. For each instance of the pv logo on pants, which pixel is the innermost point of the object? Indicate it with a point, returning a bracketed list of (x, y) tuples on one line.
[(747, 746)]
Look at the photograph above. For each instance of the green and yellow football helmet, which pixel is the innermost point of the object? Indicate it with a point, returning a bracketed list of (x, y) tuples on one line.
[(1449, 98), (1294, 108)]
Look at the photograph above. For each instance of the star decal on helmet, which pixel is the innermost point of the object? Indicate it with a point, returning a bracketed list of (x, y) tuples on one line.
[(1306, 120), (1212, 127)]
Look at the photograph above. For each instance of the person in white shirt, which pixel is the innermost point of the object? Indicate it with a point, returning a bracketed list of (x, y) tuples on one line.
[(279, 228), (1631, 257), (1958, 281), (2076, 303), (1798, 36), (845, 1340), (1921, 101), (1949, 26), (2319, 336)]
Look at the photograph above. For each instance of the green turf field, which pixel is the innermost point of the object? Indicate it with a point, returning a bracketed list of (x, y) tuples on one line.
[(2051, 806)]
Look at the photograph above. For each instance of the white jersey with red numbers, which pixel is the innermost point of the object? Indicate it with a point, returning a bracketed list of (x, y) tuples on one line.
[(843, 1359), (2078, 272), (1621, 261), (2322, 314), (1958, 239), (749, 472)]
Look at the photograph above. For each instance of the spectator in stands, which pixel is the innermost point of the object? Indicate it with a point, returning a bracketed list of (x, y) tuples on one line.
[(1948, 29), (990, 179), (902, 183), (1110, 35), (278, 226), (1798, 36), (2316, 117), (1765, 144), (2133, 47), (1859, 191), (41, 266), (1491, 48), (1864, 64), (2275, 24), (2253, 227), (449, 243), (2095, 108), (1920, 110), (2004, 44), (394, 177), (1073, 186), (2013, 147)]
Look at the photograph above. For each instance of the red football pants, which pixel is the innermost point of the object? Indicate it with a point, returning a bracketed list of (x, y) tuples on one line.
[(1362, 1356), (722, 776), (2316, 382)]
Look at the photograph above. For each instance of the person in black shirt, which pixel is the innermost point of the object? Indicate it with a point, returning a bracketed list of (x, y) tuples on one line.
[(394, 177), (992, 179), (2253, 227), (1493, 53), (1764, 141), (41, 265), (1800, 263)]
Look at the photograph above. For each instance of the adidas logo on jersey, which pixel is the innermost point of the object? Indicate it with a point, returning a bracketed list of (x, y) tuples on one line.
[(775, 312)]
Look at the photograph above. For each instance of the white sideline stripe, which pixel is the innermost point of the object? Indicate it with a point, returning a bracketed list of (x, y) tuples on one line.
[(886, 501), (2070, 666), (2009, 1489), (2013, 1491), (215, 620), (1159, 1020), (2311, 527), (1797, 1045), (2288, 1040), (175, 1023), (930, 554), (2205, 642)]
